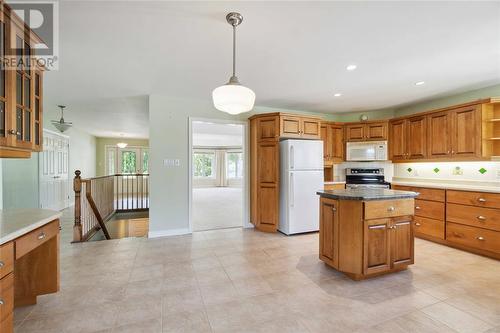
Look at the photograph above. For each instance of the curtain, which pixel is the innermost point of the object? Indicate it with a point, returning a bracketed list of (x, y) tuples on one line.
[(220, 163)]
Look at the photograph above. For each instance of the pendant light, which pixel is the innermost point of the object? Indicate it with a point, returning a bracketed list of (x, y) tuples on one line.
[(232, 97), (122, 144), (61, 124)]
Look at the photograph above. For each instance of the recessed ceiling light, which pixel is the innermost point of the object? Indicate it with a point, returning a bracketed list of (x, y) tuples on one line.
[(419, 83), (337, 95), (351, 67)]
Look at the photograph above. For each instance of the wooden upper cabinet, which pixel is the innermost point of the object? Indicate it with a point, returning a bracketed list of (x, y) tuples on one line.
[(439, 126), (397, 140), (291, 127), (466, 132), (417, 138), (376, 131), (332, 135), (373, 131), (21, 92), (355, 132), (310, 128), (268, 128)]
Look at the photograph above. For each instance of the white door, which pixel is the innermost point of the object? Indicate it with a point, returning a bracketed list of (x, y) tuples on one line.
[(302, 211), (53, 168), (303, 154)]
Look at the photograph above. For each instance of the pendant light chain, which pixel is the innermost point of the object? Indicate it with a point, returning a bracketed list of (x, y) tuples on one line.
[(234, 50)]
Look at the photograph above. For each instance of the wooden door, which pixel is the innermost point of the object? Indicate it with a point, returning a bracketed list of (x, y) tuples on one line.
[(337, 143), (325, 138), (310, 128), (466, 132), (397, 140), (355, 132), (438, 142), (268, 186), (291, 127), (401, 242), (417, 138), (376, 131), (4, 119), (268, 128), (329, 237), (376, 241)]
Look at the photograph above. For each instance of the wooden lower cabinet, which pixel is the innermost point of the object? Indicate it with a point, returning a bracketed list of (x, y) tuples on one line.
[(360, 247), (429, 227), (473, 237)]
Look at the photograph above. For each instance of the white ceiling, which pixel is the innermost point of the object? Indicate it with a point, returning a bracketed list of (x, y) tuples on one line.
[(292, 54), (207, 134)]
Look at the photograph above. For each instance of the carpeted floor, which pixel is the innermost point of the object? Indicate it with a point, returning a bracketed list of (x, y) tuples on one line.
[(217, 208)]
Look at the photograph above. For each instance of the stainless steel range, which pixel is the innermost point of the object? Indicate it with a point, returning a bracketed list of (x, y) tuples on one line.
[(365, 178)]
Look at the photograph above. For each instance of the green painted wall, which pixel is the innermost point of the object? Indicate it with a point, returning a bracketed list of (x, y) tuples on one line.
[(493, 91), (101, 144), (372, 115)]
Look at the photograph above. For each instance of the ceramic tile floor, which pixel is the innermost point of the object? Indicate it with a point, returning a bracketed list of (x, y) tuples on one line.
[(237, 280)]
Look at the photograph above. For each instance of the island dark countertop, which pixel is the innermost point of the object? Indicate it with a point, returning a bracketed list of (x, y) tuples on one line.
[(366, 194)]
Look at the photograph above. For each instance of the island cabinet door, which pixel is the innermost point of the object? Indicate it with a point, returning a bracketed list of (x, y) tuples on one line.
[(377, 253), (329, 227), (401, 242)]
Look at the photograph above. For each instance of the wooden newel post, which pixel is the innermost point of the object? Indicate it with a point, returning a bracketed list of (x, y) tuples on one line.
[(77, 187)]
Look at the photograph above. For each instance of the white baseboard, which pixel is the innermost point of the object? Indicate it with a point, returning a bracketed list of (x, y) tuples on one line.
[(170, 232)]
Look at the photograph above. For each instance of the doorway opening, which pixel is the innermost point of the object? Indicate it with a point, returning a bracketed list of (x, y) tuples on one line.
[(217, 175)]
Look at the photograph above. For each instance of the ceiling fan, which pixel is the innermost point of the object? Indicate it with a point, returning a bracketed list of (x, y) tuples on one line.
[(61, 124)]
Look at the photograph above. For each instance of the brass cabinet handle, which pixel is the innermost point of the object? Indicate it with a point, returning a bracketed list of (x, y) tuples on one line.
[(481, 200), (41, 236), (390, 208), (417, 224), (2, 264), (417, 207), (1, 302), (481, 238), (14, 132), (481, 218), (334, 209)]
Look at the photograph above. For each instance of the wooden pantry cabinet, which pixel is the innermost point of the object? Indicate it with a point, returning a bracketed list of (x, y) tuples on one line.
[(366, 131), (21, 91), (266, 130), (332, 135), (469, 131)]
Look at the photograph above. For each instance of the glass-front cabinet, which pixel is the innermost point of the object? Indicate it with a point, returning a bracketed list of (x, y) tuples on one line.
[(21, 88)]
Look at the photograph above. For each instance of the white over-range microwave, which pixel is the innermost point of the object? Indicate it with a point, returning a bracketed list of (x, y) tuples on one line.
[(366, 151)]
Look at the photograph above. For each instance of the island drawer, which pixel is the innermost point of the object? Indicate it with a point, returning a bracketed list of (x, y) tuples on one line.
[(433, 194), (487, 218), (429, 227), (334, 187), (430, 209), (479, 199), (478, 238), (6, 296), (35, 238), (6, 259), (388, 208)]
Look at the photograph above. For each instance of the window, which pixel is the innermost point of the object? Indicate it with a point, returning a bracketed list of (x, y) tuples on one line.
[(129, 161), (234, 164), (145, 161), (204, 164)]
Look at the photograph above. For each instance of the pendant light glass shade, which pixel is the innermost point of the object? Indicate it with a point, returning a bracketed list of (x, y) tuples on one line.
[(122, 145), (232, 97)]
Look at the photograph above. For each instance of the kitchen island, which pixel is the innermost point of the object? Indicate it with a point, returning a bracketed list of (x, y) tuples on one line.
[(366, 232)]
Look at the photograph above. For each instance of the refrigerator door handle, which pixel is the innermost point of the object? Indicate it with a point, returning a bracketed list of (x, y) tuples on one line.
[(292, 160), (292, 199)]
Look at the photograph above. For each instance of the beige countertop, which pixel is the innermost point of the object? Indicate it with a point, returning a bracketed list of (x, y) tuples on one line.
[(464, 185), (17, 222)]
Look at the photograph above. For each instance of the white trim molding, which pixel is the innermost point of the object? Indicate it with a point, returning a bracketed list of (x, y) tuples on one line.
[(168, 232)]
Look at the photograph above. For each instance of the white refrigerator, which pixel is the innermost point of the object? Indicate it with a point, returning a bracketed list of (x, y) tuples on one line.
[(301, 176)]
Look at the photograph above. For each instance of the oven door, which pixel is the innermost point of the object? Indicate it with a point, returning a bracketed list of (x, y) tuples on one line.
[(360, 152)]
